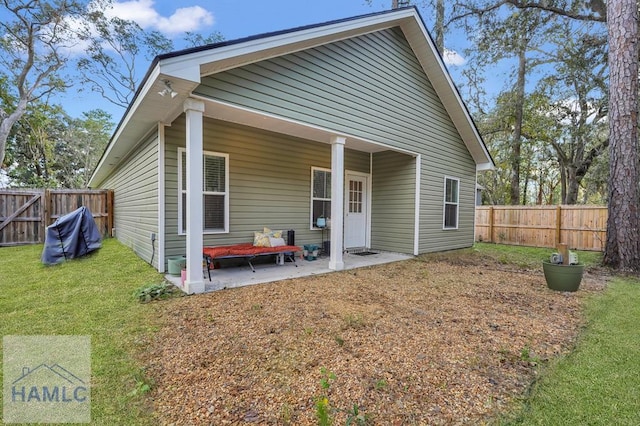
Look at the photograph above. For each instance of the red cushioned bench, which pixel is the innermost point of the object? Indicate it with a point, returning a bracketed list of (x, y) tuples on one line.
[(247, 251)]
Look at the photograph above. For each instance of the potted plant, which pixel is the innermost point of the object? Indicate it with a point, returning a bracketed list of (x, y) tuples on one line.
[(562, 272)]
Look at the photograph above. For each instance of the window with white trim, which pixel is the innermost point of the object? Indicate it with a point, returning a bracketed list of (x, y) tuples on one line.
[(215, 192), (320, 194), (451, 205)]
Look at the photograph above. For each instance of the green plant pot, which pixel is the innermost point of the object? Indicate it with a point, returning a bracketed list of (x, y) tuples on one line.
[(562, 277), (175, 265)]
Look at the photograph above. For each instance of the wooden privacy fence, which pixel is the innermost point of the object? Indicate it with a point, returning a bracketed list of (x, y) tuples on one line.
[(25, 214), (580, 227)]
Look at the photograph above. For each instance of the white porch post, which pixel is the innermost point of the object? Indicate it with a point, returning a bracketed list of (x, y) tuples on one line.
[(337, 202), (193, 109)]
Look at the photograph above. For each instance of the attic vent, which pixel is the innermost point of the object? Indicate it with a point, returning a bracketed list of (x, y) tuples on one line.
[(399, 3)]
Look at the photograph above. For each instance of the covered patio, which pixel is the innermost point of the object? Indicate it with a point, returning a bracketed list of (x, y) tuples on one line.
[(240, 276)]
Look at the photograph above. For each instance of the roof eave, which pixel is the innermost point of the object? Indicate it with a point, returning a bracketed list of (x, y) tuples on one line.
[(186, 68)]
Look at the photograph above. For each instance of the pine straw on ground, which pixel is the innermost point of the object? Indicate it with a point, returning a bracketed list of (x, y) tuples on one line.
[(424, 341)]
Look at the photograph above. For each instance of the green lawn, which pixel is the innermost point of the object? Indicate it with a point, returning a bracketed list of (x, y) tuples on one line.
[(89, 296), (529, 257), (597, 384)]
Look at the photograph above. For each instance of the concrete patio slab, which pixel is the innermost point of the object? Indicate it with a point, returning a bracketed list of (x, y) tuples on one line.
[(239, 276)]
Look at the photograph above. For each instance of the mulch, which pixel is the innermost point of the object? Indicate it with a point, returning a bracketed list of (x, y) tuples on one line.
[(426, 341)]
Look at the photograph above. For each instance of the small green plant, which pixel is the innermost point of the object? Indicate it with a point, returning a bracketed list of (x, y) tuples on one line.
[(142, 387), (286, 414), (355, 417), (323, 412), (327, 378), (257, 307), (526, 355), (150, 292), (381, 384), (339, 340), (323, 409), (353, 321)]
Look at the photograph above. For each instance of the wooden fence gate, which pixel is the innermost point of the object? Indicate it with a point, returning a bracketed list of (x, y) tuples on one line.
[(25, 214)]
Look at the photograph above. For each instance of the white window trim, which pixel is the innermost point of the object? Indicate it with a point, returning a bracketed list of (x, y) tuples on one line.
[(181, 231), (312, 225), (445, 203)]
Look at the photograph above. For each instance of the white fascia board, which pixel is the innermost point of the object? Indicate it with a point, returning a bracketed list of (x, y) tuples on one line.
[(188, 66), (483, 167), (153, 75), (185, 69)]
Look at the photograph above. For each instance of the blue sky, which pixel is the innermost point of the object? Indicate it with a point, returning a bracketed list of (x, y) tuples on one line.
[(233, 19)]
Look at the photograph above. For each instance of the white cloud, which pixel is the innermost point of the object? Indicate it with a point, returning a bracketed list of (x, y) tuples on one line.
[(142, 12), (451, 57)]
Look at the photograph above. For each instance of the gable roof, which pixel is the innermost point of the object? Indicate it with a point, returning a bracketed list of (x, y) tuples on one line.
[(185, 68)]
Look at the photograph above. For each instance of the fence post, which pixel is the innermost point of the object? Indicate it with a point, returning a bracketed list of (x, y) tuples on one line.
[(46, 211), (558, 223), (491, 240)]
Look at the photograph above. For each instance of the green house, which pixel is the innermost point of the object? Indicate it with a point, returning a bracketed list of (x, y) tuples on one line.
[(355, 121)]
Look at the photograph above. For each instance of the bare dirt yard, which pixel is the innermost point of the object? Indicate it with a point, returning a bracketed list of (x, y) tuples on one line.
[(435, 340)]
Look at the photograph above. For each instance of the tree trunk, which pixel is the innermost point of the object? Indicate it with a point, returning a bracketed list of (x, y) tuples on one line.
[(563, 183), (622, 249), (6, 124), (517, 131), (573, 185), (439, 26)]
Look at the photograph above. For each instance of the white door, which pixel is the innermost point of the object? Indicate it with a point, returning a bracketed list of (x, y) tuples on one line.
[(355, 210)]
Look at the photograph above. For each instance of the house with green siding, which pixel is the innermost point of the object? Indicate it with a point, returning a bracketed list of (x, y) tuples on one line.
[(355, 121)]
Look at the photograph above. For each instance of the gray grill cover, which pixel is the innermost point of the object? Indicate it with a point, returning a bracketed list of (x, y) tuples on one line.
[(72, 235)]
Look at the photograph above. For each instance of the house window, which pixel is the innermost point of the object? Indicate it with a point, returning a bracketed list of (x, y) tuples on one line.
[(215, 192), (451, 194), (320, 194)]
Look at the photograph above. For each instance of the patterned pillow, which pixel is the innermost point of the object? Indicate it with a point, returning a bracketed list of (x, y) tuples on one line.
[(273, 234), (260, 239)]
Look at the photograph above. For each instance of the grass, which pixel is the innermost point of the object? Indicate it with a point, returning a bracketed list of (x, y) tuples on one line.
[(597, 384), (90, 296), (529, 257)]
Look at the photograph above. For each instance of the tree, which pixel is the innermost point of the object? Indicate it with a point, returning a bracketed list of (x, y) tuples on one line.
[(576, 97), (31, 150), (48, 148), (519, 35), (79, 150), (34, 40), (114, 46), (623, 238), (195, 39), (622, 249)]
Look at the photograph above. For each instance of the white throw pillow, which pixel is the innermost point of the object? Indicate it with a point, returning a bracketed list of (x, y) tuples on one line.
[(277, 242)]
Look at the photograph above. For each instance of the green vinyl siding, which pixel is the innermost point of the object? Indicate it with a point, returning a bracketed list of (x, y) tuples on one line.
[(371, 87), (135, 185), (269, 181), (393, 202), (432, 235)]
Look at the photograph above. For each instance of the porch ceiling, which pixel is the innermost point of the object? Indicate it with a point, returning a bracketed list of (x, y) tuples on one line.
[(231, 113)]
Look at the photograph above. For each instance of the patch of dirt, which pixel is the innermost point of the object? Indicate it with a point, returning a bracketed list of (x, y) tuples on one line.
[(424, 341)]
